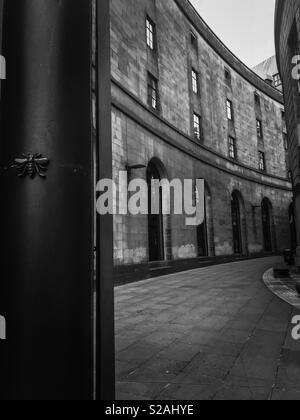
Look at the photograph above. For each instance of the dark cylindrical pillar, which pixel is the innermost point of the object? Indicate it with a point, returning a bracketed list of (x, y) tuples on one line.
[(105, 384), (47, 224)]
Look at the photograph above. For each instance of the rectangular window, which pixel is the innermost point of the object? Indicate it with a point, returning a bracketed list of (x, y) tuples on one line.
[(232, 148), (257, 99), (197, 127), (153, 96), (195, 81), (194, 42), (259, 129), (262, 162), (229, 110), (277, 80), (150, 32), (228, 77)]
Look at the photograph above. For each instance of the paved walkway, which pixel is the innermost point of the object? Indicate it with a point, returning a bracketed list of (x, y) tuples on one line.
[(212, 333)]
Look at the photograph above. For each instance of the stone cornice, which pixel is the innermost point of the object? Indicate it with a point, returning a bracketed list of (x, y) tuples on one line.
[(131, 106)]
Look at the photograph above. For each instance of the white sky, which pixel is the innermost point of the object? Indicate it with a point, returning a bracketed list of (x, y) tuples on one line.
[(245, 26)]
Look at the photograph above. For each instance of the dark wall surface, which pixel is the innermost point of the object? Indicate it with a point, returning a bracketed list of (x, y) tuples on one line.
[(46, 225), (287, 41)]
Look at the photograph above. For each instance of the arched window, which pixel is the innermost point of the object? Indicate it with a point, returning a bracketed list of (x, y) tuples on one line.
[(267, 224), (155, 221), (239, 224), (205, 232)]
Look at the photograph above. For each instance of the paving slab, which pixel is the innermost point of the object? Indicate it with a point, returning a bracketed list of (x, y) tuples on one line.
[(211, 333)]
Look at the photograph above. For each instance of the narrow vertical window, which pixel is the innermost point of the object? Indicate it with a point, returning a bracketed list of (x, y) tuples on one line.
[(232, 148), (259, 129), (284, 126), (227, 77), (194, 42), (153, 96), (229, 110), (150, 32), (262, 162), (257, 99), (197, 127), (195, 81)]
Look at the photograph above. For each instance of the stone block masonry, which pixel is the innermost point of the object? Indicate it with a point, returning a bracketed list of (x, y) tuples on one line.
[(165, 136)]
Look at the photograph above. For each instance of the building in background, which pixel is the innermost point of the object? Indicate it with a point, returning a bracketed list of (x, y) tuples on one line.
[(183, 106), (287, 38), (268, 71)]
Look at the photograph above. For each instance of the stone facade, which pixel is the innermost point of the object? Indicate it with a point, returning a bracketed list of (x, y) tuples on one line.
[(288, 46), (166, 135)]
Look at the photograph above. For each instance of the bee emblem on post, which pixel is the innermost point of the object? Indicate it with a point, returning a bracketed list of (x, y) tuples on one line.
[(31, 164)]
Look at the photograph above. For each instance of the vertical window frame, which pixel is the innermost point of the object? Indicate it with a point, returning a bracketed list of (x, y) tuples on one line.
[(195, 81), (194, 41), (153, 92), (262, 161), (232, 149), (227, 76), (229, 110), (259, 129), (277, 80), (197, 126), (150, 34), (257, 99)]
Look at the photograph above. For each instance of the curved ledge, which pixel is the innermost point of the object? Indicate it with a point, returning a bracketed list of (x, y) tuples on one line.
[(131, 106), (220, 48)]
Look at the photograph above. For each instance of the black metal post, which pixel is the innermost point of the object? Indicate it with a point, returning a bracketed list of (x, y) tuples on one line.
[(47, 225), (105, 301)]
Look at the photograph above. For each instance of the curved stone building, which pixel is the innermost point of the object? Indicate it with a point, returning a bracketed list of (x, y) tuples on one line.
[(185, 107), (287, 38)]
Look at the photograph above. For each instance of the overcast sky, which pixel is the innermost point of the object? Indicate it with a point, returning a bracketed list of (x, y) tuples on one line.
[(245, 26)]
